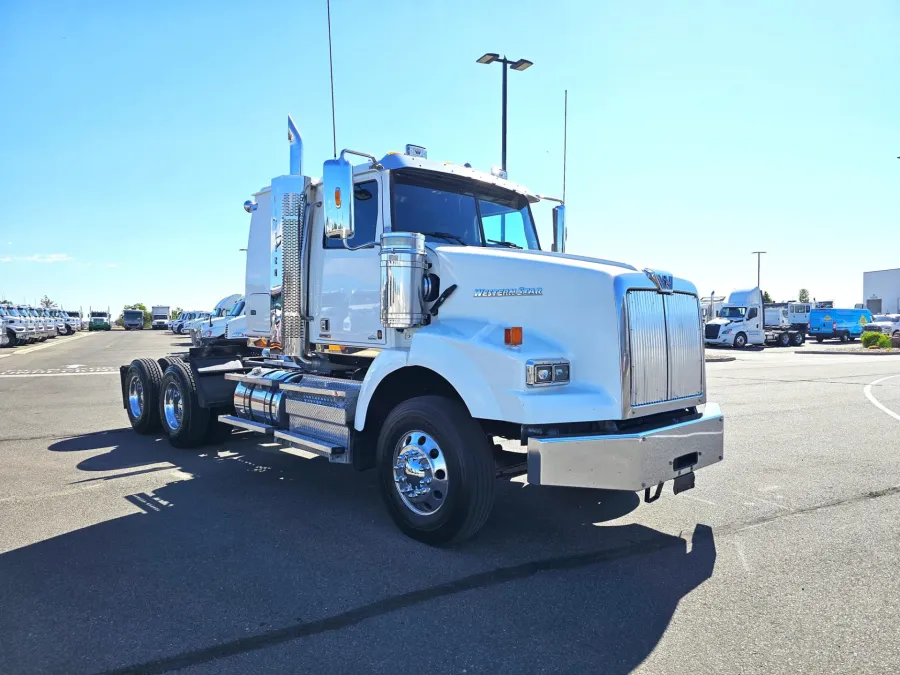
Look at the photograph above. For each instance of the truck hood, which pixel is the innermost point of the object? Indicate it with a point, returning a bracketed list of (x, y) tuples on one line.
[(568, 306)]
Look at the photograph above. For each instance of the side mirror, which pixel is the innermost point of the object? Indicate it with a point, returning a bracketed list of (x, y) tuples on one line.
[(559, 229), (337, 182)]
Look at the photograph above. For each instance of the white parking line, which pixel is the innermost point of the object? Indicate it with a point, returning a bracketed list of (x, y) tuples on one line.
[(101, 372), (46, 345), (867, 390)]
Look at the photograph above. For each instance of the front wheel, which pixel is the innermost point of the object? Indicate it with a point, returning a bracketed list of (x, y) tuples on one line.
[(820, 339), (740, 341), (184, 421), (436, 470)]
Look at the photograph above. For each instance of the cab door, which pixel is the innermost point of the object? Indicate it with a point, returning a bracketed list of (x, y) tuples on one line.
[(345, 288)]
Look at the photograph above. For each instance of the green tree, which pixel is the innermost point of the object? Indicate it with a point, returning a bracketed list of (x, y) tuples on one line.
[(176, 313), (803, 295), (47, 302), (767, 297)]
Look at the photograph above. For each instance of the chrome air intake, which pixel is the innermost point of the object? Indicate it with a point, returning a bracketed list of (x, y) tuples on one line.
[(261, 403), (402, 279)]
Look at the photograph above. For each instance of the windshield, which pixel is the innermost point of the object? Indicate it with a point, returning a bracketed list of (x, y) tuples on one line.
[(733, 312), (460, 211), (238, 309), (887, 318), (12, 311), (133, 314), (75, 314)]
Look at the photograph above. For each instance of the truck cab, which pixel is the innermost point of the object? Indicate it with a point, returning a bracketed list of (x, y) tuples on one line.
[(739, 322), (14, 326), (410, 322), (99, 320), (214, 328), (159, 317), (133, 319)]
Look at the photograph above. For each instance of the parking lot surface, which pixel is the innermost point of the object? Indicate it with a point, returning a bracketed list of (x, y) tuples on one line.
[(119, 553)]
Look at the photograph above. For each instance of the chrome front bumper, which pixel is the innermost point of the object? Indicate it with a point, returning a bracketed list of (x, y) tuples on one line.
[(628, 461)]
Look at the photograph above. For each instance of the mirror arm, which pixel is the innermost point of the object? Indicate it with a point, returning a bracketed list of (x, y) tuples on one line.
[(375, 164), (550, 199), (371, 244)]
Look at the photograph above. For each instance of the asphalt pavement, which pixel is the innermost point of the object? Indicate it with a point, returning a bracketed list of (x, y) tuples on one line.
[(121, 554)]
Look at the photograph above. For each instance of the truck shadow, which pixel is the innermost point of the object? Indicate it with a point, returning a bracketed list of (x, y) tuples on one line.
[(244, 549)]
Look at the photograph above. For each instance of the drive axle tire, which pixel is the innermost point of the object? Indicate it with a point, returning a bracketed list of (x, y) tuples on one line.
[(784, 340), (142, 392), (740, 341), (820, 339), (845, 337), (182, 418), (797, 339), (436, 470)]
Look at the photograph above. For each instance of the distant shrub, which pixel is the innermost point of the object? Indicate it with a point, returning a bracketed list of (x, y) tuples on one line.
[(884, 341), (872, 339)]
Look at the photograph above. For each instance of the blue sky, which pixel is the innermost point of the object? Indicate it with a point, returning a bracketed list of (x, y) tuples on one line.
[(131, 133)]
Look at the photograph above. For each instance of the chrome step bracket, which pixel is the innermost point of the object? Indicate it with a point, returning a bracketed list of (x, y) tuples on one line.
[(241, 423), (318, 391), (250, 379), (309, 444)]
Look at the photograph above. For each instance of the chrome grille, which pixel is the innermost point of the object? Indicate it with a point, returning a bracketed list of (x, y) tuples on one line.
[(665, 348), (685, 346)]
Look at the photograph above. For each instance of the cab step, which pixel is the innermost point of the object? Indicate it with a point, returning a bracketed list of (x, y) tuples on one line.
[(241, 423), (298, 441)]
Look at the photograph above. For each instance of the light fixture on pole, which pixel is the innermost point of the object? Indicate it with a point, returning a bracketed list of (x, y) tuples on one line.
[(520, 65)]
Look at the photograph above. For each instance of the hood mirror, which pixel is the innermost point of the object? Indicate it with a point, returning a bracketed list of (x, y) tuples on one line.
[(337, 183), (559, 229)]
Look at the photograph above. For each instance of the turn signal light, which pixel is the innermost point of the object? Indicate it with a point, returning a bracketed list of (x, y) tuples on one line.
[(513, 336), (337, 197)]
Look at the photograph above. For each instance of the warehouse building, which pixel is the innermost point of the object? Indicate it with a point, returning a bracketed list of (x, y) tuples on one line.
[(881, 291)]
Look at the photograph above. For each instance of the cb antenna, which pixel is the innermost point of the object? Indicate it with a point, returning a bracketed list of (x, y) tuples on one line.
[(331, 69), (565, 129)]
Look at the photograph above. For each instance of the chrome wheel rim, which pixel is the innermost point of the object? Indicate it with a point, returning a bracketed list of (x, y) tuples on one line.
[(173, 407), (136, 396), (420, 473)]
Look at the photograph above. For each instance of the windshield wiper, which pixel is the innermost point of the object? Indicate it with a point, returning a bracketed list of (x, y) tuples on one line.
[(446, 235), (507, 244)]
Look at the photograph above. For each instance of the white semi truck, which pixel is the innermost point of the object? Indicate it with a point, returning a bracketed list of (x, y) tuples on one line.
[(159, 317), (215, 321), (483, 356), (746, 320), (214, 329)]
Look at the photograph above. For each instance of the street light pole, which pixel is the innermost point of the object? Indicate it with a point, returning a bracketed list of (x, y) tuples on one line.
[(521, 64), (758, 255)]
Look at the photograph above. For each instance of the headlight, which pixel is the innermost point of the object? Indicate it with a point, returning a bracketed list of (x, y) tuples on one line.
[(726, 331), (546, 372)]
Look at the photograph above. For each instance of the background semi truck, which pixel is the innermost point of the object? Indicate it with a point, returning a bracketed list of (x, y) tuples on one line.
[(746, 320), (477, 358)]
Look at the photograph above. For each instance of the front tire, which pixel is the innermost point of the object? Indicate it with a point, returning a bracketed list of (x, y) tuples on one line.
[(740, 341), (436, 470), (182, 418), (142, 381), (820, 339)]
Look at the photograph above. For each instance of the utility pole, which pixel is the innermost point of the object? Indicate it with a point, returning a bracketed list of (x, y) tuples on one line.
[(758, 255)]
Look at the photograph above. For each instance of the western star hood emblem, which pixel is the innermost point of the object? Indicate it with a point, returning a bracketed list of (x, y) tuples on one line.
[(507, 292), (662, 280)]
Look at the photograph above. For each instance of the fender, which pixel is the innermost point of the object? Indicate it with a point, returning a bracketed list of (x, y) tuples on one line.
[(471, 356)]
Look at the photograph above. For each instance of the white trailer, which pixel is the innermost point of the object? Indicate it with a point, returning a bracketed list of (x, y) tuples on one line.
[(475, 336)]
